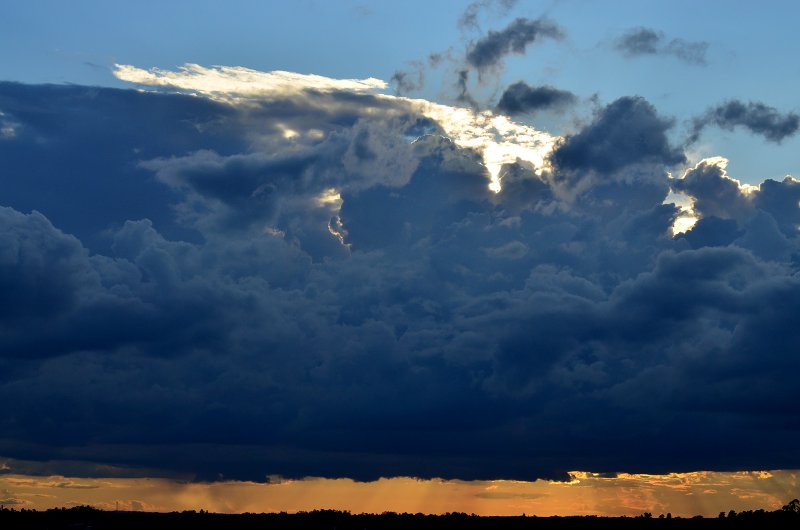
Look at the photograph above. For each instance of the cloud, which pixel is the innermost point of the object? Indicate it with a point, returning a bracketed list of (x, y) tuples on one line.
[(483, 54), (495, 138), (756, 117), (646, 41), (626, 132), (762, 218), (521, 98), (469, 18), (409, 81), (488, 51), (12, 501), (8, 129), (714, 192), (226, 80), (321, 282)]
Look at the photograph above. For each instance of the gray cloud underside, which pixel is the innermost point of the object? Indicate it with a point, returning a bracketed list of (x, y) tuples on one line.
[(646, 41), (756, 117), (488, 51), (172, 298), (521, 98)]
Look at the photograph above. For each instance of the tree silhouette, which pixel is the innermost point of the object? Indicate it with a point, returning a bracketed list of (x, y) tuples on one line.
[(792, 507)]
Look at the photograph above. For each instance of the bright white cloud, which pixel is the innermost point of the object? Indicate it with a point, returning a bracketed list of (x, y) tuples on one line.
[(233, 82), (499, 139)]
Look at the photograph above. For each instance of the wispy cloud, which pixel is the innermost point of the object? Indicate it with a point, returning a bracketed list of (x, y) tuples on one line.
[(646, 41), (487, 52), (756, 117)]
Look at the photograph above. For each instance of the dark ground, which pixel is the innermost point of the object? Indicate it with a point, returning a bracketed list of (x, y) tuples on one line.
[(84, 517)]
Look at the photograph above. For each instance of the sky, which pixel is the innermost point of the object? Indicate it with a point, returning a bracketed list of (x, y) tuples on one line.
[(497, 257)]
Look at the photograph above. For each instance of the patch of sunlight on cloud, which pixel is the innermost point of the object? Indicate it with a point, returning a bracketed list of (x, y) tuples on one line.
[(329, 197), (683, 224), (332, 199), (722, 163), (497, 138), (687, 218), (230, 82)]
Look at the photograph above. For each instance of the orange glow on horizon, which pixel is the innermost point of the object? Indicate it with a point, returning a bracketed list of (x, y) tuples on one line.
[(682, 494)]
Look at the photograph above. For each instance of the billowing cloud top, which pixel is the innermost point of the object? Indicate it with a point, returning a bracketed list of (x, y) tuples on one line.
[(497, 139), (312, 278)]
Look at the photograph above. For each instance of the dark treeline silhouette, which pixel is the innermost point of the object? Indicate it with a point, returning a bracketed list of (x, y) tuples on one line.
[(86, 517)]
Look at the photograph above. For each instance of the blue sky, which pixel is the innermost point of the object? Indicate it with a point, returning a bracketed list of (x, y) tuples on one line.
[(340, 241), (750, 52)]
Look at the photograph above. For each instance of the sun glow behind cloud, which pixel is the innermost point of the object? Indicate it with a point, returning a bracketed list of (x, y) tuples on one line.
[(688, 217), (497, 138)]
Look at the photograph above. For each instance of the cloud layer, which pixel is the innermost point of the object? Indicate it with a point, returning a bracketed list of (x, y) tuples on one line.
[(316, 279)]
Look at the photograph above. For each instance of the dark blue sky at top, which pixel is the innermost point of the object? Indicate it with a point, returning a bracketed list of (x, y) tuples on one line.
[(180, 294)]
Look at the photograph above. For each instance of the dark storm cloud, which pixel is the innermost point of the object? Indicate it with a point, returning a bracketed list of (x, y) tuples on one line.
[(756, 117), (646, 41), (714, 193), (626, 132), (57, 126), (318, 295), (487, 52), (520, 98)]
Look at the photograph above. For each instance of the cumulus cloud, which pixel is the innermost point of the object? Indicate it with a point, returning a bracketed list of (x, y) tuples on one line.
[(521, 98), (320, 282), (756, 117), (646, 41), (627, 133)]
